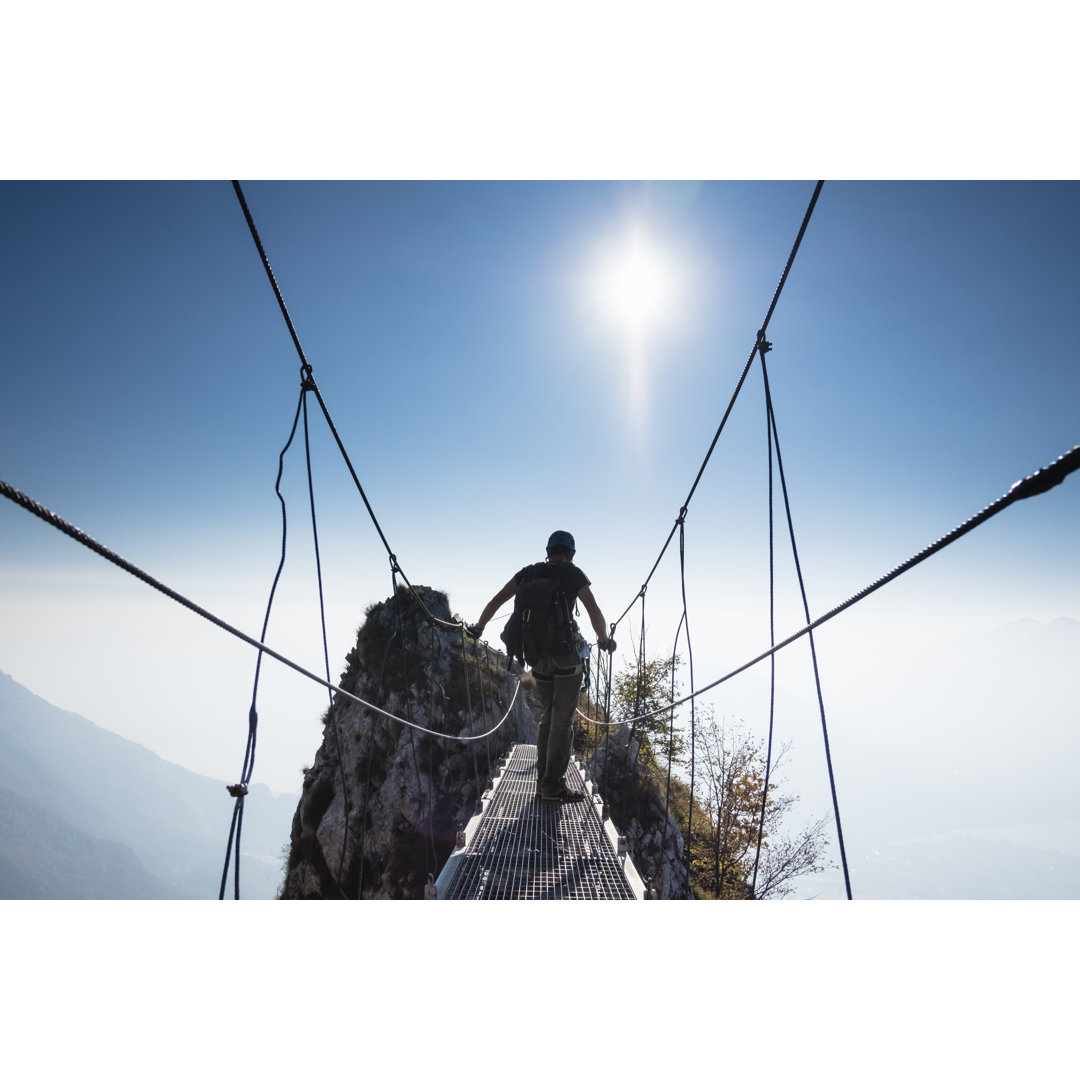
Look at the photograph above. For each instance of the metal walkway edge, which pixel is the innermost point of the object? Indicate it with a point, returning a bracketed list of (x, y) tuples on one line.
[(518, 847)]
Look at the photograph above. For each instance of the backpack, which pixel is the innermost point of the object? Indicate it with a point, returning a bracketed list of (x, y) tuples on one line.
[(540, 632)]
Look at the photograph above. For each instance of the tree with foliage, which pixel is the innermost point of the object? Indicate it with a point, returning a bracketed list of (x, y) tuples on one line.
[(646, 692), (722, 818), (726, 863)]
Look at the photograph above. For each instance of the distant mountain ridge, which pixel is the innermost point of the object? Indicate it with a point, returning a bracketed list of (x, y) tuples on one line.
[(86, 814), (43, 857)]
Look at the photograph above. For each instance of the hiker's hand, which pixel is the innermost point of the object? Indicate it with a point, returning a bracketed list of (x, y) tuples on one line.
[(607, 646)]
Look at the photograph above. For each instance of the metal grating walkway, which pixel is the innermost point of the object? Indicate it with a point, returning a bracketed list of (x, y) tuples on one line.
[(521, 848)]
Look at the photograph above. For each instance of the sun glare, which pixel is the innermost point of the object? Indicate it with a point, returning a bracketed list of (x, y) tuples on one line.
[(636, 286)]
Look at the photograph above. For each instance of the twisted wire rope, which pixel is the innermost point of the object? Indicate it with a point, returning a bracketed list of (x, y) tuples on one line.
[(1039, 482), (20, 499)]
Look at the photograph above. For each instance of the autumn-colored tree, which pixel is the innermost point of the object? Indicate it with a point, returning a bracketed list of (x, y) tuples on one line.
[(725, 861), (722, 816)]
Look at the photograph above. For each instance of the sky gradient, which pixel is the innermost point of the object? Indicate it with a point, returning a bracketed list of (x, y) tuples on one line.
[(924, 359)]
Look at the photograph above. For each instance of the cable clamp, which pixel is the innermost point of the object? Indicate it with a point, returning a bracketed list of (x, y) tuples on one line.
[(763, 345), (237, 791), (681, 519)]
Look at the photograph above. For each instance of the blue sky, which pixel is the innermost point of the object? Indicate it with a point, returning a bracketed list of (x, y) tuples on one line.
[(924, 358)]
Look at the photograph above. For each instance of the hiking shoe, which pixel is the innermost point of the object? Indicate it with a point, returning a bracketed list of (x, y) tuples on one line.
[(566, 795)]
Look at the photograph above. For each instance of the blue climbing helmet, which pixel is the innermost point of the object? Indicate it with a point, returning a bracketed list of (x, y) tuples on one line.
[(559, 538)]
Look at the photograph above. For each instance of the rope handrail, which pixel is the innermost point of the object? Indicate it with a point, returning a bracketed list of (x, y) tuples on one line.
[(1039, 482), (46, 515)]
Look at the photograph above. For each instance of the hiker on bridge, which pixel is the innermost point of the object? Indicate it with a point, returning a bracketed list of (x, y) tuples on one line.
[(543, 634)]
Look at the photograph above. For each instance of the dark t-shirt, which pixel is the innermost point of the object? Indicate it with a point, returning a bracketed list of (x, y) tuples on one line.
[(573, 577)]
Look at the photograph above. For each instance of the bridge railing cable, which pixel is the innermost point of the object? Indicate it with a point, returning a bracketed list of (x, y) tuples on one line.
[(46, 515), (1038, 483)]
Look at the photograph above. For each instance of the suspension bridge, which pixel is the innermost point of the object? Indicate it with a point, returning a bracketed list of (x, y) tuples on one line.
[(521, 847), (517, 847)]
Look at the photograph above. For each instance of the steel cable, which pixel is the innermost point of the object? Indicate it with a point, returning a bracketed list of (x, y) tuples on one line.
[(332, 712), (738, 389), (772, 631), (310, 384), (239, 791), (63, 526), (1039, 482), (693, 715), (810, 635)]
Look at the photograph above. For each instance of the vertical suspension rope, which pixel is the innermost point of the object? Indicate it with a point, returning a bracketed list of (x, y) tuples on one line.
[(239, 791), (671, 741), (693, 700), (609, 665), (639, 690), (469, 707), (810, 633), (769, 434), (332, 712)]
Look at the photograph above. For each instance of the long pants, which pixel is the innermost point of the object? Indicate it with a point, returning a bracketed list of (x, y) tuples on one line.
[(558, 696)]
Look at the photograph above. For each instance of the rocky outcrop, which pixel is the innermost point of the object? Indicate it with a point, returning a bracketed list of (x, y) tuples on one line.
[(383, 802), (387, 795)]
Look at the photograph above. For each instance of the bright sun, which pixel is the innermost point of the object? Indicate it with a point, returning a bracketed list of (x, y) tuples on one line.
[(636, 286)]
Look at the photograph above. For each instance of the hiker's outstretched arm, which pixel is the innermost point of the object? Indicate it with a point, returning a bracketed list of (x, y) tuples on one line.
[(595, 615), (494, 604)]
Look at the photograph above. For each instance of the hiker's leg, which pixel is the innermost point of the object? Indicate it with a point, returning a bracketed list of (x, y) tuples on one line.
[(546, 686), (564, 698)]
